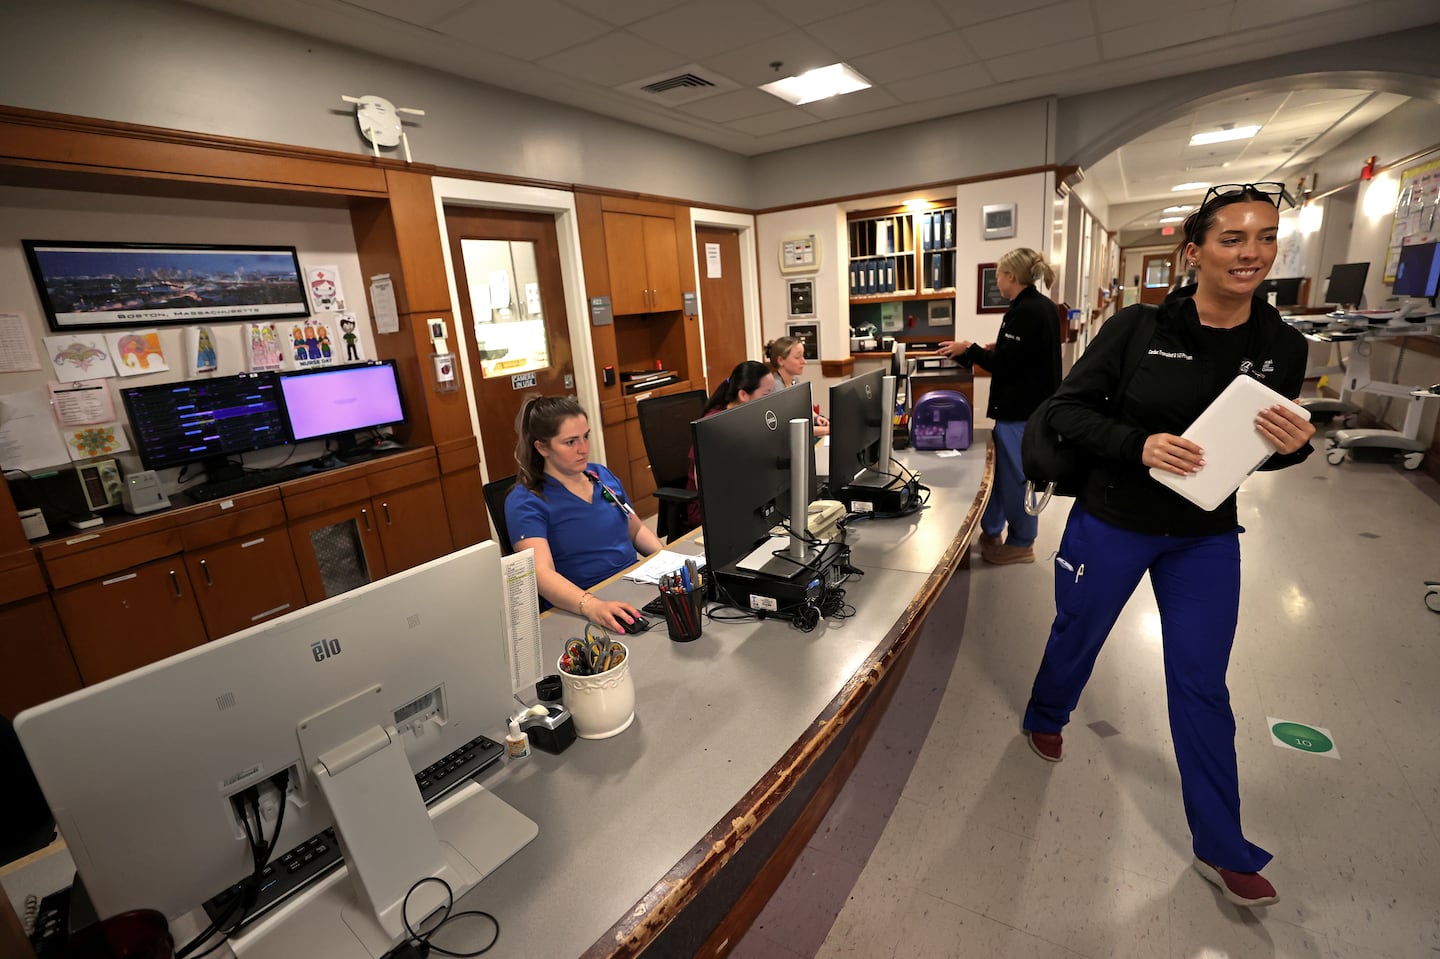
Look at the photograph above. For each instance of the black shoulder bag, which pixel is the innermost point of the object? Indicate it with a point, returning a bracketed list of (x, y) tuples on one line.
[(1054, 467)]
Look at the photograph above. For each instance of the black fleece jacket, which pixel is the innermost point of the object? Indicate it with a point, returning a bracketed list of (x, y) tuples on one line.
[(1025, 364), (1181, 372)]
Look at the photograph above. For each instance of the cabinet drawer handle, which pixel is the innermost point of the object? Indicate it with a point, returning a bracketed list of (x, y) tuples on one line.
[(386, 508), (365, 514), (176, 581), (204, 568)]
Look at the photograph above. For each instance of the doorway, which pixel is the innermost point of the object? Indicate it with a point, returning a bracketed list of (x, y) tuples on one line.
[(1157, 273), (722, 301), (512, 305)]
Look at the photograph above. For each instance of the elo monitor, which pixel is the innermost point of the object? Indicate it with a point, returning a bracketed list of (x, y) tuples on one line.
[(1347, 284), (743, 469), (352, 695), (857, 425), (335, 402), (1418, 272), (205, 420), (1285, 288)]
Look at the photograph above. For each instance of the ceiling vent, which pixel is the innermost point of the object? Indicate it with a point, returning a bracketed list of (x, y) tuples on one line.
[(683, 85)]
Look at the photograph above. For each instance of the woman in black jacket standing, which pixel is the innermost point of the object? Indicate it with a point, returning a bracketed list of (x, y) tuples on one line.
[(1024, 365), (1124, 524)]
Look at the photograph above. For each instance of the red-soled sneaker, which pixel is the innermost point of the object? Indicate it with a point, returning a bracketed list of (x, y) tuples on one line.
[(1241, 888), (1045, 745)]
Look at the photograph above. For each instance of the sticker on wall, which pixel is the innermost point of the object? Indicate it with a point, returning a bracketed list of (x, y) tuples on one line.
[(310, 344), (200, 356), (263, 342), (137, 352), (323, 282), (350, 337), (92, 441), (79, 356)]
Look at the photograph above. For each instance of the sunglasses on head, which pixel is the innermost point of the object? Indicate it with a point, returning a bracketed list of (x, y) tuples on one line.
[(1270, 189)]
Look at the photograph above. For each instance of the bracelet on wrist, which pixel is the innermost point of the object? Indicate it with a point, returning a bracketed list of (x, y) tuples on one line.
[(580, 607)]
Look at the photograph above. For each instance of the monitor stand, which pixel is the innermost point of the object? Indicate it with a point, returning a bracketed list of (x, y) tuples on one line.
[(220, 468)]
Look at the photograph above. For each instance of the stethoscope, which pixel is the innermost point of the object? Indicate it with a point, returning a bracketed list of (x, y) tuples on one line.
[(607, 494)]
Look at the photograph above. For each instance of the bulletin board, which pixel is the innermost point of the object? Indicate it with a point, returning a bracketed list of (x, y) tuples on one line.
[(1417, 212)]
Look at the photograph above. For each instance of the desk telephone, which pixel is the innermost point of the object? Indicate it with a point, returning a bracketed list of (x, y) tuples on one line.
[(821, 519)]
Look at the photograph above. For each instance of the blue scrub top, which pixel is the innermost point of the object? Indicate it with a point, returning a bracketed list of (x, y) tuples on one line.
[(590, 542)]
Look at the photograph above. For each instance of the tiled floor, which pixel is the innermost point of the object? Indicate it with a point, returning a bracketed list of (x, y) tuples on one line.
[(973, 846)]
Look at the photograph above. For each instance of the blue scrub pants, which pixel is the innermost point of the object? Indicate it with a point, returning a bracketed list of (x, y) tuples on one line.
[(1007, 499), (1196, 581)]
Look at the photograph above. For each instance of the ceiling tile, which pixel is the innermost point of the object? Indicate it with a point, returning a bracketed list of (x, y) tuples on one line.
[(421, 12), (969, 13), (615, 58), (1201, 24), (750, 65), (528, 31), (1118, 14), (851, 104), (808, 11), (879, 26), (701, 28), (768, 123), (1034, 28), (943, 83), (1046, 61), (725, 107), (938, 52), (1250, 15), (618, 12)]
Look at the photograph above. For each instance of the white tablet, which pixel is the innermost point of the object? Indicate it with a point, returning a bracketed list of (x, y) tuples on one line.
[(1233, 446)]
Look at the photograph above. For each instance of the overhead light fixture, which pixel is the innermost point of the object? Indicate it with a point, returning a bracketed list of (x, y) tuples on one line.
[(1224, 135), (1172, 219), (1179, 187), (914, 206), (817, 84), (1179, 208)]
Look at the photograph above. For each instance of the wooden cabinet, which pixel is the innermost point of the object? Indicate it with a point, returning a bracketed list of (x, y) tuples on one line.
[(644, 263), (337, 550), (38, 664), (899, 253), (127, 619), (412, 525), (245, 581)]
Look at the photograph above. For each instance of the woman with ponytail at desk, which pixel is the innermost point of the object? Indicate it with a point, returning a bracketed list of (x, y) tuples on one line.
[(573, 513)]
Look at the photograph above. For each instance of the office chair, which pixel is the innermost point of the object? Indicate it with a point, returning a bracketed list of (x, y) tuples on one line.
[(495, 493), (665, 429)]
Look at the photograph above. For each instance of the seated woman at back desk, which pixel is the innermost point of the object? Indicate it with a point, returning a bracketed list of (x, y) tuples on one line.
[(786, 356), (573, 513), (748, 381)]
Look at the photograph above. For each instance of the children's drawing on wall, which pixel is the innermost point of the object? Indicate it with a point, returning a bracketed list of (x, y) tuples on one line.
[(92, 441), (310, 343), (137, 352), (263, 340), (79, 356), (324, 285), (200, 353), (351, 338)]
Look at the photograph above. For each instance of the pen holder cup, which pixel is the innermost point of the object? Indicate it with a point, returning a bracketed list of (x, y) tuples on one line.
[(684, 614), (602, 705)]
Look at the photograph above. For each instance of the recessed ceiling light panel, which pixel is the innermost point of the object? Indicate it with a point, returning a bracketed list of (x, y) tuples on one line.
[(817, 84), (1224, 136)]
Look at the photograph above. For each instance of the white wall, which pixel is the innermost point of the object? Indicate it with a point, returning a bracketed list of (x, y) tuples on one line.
[(321, 236)]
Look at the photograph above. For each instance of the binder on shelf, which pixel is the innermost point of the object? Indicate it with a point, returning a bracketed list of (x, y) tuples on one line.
[(890, 275), (949, 228)]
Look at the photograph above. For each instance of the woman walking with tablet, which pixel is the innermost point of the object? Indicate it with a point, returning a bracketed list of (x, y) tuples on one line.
[(1124, 524)]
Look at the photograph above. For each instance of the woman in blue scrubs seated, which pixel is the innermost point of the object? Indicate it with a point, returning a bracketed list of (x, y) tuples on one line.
[(573, 513)]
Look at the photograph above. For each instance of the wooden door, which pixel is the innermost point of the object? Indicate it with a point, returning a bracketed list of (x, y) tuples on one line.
[(1157, 274), (412, 524), (662, 264), (337, 550), (245, 581), (497, 398), (627, 264), (135, 617), (722, 304)]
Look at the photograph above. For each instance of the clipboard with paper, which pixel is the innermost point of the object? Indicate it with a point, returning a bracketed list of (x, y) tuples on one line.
[(1233, 447)]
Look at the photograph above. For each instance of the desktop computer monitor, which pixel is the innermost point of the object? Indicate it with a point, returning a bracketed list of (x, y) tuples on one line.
[(857, 424), (1285, 288), (743, 469), (335, 402), (142, 770), (1347, 284), (1418, 272), (205, 420)]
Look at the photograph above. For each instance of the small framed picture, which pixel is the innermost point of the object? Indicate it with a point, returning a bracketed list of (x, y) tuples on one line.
[(807, 333), (987, 290), (802, 298)]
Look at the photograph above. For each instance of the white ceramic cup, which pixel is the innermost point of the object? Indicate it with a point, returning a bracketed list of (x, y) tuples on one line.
[(602, 705)]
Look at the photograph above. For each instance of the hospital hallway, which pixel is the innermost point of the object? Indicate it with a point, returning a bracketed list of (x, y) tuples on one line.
[(953, 839)]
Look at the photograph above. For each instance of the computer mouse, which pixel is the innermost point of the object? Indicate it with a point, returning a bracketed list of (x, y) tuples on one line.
[(638, 626)]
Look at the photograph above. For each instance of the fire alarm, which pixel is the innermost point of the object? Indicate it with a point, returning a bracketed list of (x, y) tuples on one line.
[(1368, 170)]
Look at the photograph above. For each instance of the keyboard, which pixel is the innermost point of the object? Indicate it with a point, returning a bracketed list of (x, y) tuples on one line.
[(247, 481), (289, 872)]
